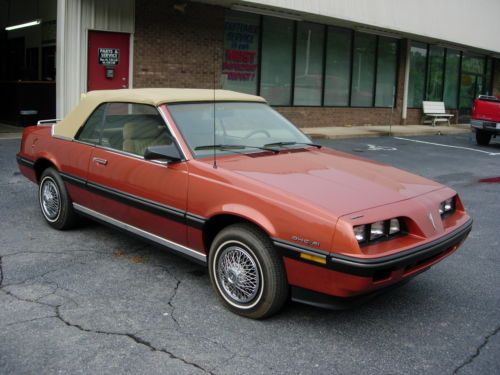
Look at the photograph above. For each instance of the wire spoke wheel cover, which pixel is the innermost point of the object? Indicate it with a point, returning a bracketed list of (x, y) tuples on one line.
[(50, 199), (238, 274)]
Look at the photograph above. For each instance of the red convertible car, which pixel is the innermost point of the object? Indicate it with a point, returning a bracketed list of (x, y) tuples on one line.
[(223, 179)]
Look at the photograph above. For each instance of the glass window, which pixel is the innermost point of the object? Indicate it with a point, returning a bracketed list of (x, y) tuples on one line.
[(363, 70), (309, 64), (435, 74), (451, 78), (126, 127), (237, 124), (472, 64), (338, 67), (488, 78), (472, 79), (241, 45), (277, 59), (385, 90), (92, 128), (416, 85)]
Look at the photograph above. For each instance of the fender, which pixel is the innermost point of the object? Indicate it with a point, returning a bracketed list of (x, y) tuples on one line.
[(247, 213), (47, 156)]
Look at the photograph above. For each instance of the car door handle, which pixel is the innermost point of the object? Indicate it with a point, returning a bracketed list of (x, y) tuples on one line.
[(100, 161)]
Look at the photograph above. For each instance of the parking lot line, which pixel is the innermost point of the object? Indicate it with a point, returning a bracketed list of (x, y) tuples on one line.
[(449, 146)]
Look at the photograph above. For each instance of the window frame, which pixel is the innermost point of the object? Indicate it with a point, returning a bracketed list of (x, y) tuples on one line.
[(349, 85), (292, 63), (396, 73), (374, 69), (323, 68)]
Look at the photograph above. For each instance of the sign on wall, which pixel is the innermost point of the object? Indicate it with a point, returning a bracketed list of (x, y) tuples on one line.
[(109, 56), (240, 60)]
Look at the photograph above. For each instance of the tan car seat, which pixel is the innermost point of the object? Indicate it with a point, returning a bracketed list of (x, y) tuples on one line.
[(137, 136)]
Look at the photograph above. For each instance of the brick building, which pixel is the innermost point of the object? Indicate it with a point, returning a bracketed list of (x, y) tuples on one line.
[(320, 63)]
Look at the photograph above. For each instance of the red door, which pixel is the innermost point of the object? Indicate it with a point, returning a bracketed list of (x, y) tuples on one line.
[(108, 61)]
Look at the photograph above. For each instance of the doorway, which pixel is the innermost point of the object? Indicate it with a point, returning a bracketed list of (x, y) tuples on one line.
[(108, 60)]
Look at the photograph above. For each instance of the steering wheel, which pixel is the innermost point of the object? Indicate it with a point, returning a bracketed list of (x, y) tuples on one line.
[(251, 134)]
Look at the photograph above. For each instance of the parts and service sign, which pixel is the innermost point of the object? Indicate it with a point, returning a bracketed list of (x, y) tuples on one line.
[(109, 56)]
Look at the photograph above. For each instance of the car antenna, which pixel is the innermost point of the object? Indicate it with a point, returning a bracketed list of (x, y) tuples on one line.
[(214, 82)]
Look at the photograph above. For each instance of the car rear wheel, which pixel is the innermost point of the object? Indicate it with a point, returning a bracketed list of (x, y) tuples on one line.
[(482, 138), (54, 201), (246, 272)]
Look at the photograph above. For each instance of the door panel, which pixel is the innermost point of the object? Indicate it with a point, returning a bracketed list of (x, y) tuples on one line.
[(74, 160), (108, 60), (147, 195)]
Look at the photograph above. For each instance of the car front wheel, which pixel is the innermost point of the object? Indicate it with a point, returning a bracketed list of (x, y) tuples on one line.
[(54, 201), (246, 272), (483, 138)]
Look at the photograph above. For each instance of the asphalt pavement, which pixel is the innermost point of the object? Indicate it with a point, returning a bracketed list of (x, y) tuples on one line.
[(96, 301)]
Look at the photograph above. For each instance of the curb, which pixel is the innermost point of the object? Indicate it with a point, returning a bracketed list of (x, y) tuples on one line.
[(376, 134), (10, 135)]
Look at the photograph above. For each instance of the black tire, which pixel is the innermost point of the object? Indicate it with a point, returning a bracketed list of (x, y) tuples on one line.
[(482, 138), (251, 245), (54, 201)]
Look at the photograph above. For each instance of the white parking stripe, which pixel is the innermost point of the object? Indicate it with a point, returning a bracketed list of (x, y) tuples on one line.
[(449, 146)]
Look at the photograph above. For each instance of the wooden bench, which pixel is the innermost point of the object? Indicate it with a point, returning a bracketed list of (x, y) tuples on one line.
[(435, 112)]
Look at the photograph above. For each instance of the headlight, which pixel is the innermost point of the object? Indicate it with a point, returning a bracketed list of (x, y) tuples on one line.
[(447, 207), (360, 233), (377, 230), (380, 230), (394, 226)]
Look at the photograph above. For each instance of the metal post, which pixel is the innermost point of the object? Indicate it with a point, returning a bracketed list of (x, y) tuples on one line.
[(406, 81)]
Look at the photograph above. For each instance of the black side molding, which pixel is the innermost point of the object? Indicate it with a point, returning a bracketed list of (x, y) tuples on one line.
[(26, 162)]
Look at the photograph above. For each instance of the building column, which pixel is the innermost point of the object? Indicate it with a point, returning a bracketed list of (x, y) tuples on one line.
[(405, 52), (68, 58)]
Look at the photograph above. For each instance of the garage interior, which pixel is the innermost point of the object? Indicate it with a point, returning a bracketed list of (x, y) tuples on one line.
[(27, 60)]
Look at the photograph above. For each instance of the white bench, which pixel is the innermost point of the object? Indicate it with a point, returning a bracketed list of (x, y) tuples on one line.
[(435, 112)]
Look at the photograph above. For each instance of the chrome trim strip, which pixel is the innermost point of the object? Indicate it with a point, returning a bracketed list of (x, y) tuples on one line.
[(48, 122), (142, 233)]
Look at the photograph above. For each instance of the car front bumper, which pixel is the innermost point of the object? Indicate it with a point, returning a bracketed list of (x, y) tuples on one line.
[(348, 277)]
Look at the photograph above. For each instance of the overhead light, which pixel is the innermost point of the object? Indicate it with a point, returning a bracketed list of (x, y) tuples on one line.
[(23, 25), (266, 12), (369, 30)]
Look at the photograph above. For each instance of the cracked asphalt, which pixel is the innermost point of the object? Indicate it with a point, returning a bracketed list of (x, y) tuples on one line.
[(95, 301)]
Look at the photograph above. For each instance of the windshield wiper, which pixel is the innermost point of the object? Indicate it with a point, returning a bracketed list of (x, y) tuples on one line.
[(281, 144), (234, 147)]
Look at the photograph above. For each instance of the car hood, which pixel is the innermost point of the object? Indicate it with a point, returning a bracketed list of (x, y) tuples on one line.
[(338, 182)]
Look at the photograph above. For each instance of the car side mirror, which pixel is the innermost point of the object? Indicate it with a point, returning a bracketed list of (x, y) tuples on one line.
[(168, 153)]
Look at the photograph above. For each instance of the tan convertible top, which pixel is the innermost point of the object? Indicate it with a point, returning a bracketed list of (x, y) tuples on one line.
[(68, 127)]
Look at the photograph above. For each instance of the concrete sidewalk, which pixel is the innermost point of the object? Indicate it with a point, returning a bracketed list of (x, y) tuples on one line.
[(339, 132), (332, 132), (10, 131)]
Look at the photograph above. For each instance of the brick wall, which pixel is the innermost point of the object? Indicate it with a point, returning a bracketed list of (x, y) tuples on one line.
[(173, 49), (334, 116)]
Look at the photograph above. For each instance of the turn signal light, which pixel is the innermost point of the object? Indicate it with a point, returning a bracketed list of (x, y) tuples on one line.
[(313, 258)]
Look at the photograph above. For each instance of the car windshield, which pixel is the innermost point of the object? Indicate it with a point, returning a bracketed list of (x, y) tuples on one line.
[(239, 128)]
